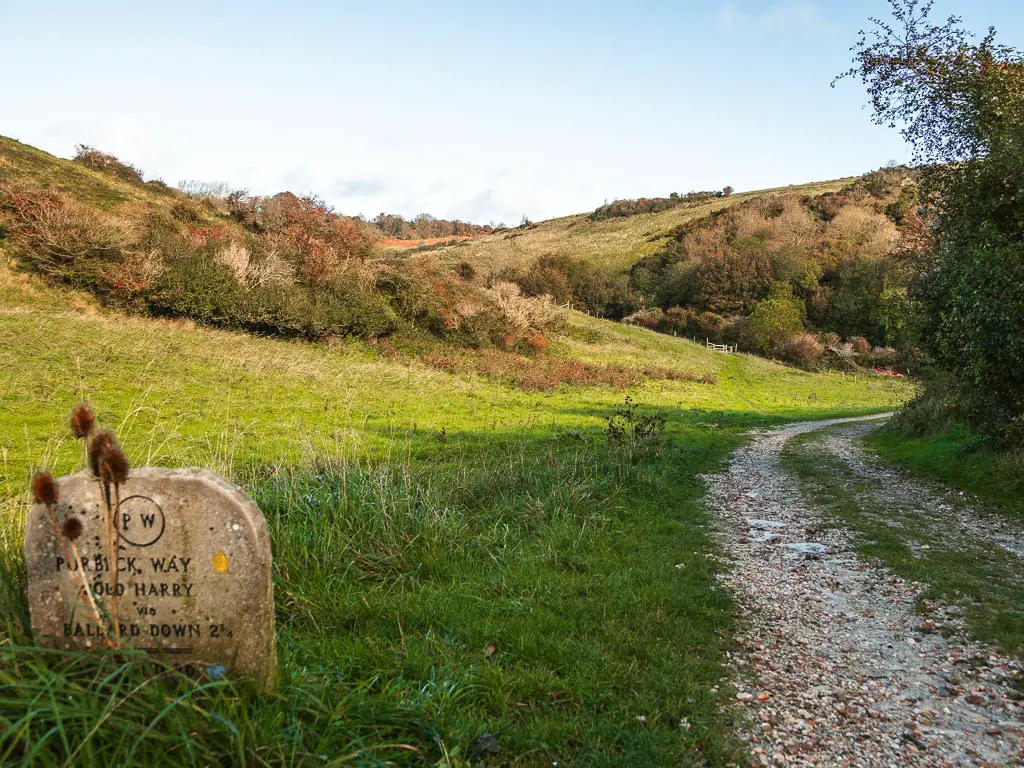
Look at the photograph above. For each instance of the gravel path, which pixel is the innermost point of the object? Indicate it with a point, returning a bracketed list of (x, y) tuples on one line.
[(836, 668)]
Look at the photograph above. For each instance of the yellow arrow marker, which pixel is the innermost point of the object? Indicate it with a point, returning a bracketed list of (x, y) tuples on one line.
[(220, 562)]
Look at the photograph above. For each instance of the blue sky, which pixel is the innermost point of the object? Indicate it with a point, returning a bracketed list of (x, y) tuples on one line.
[(481, 111)]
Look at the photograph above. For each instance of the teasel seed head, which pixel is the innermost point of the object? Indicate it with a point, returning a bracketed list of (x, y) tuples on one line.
[(114, 466), (82, 421), (71, 528), (98, 448), (44, 489)]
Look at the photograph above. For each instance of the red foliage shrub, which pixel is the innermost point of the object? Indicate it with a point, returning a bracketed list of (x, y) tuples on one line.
[(803, 350), (537, 342), (860, 345), (59, 237), (197, 237)]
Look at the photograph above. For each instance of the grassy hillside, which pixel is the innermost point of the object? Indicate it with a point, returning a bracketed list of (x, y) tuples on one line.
[(612, 244), (20, 162), (453, 556)]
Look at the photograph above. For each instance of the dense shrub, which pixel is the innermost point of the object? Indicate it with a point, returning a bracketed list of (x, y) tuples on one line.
[(734, 281), (92, 158), (566, 279), (521, 313), (861, 346), (646, 318), (59, 238), (710, 325), (197, 286), (546, 280), (160, 187), (186, 211), (295, 268), (803, 350), (427, 297), (775, 320), (900, 209)]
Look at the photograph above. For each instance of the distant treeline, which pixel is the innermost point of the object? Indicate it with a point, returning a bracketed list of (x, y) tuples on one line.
[(426, 226), (622, 208)]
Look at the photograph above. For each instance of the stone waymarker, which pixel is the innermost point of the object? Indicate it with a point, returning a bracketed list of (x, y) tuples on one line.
[(194, 579)]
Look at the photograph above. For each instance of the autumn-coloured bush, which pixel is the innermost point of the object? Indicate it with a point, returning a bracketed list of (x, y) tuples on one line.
[(839, 354), (536, 342), (569, 280), (803, 350), (522, 313), (186, 211), (321, 244), (861, 346), (135, 273), (103, 162), (428, 297), (60, 238)]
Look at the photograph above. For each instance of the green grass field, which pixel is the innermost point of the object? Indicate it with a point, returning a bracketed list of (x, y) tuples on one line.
[(416, 518)]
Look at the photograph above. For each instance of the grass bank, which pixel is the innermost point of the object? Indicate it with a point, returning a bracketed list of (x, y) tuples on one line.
[(452, 556)]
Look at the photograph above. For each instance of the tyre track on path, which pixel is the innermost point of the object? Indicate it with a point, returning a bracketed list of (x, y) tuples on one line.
[(835, 668)]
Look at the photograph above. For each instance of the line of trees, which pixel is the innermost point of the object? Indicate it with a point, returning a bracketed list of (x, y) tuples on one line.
[(622, 208), (425, 226)]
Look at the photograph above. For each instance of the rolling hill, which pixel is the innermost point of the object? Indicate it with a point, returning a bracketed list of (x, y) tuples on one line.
[(613, 244), (455, 552)]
